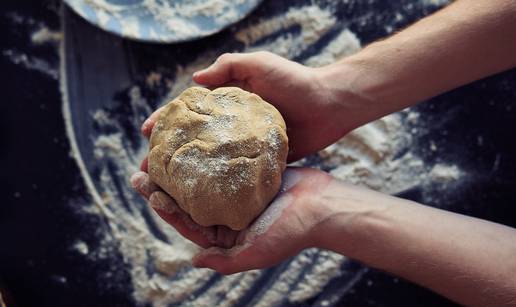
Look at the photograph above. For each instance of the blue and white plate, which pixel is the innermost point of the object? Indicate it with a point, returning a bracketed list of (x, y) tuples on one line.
[(163, 21)]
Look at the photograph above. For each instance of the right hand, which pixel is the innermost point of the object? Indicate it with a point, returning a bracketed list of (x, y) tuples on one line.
[(315, 119)]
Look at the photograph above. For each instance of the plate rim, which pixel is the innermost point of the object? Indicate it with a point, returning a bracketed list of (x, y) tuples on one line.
[(73, 6)]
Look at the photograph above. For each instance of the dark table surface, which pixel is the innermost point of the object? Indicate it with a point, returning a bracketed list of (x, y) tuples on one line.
[(40, 178)]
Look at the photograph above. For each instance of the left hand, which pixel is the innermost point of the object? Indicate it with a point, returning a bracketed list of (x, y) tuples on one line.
[(284, 229)]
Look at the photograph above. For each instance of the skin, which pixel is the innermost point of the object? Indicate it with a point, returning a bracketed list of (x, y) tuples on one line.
[(468, 260)]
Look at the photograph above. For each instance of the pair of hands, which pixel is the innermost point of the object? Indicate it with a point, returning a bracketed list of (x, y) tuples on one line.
[(320, 106), (314, 121)]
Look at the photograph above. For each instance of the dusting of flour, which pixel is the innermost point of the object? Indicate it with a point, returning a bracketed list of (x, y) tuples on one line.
[(443, 173)]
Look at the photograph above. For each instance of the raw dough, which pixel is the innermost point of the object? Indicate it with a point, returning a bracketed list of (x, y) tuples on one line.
[(220, 154)]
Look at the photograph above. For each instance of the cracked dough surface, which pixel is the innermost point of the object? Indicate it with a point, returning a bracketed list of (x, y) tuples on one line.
[(220, 154)]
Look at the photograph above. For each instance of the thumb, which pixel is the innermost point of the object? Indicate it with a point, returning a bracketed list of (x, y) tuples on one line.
[(229, 67)]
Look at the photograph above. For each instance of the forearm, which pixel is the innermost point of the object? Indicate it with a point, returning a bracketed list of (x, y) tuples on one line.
[(468, 40), (468, 260)]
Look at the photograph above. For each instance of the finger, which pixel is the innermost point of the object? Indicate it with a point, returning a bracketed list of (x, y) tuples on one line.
[(298, 147), (252, 251), (230, 261), (144, 166), (240, 84), (227, 67), (149, 123), (143, 185), (224, 261), (169, 211), (225, 237)]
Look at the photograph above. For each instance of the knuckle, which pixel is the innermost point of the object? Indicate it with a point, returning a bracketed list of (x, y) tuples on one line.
[(225, 57), (264, 54)]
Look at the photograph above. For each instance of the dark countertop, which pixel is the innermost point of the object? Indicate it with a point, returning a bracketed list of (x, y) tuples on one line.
[(40, 179)]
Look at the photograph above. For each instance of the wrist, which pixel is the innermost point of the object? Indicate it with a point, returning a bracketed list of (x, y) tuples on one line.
[(354, 220), (373, 82), (344, 83)]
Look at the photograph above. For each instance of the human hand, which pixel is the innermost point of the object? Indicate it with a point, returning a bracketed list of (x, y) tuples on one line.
[(317, 110), (314, 117), (287, 85), (285, 228)]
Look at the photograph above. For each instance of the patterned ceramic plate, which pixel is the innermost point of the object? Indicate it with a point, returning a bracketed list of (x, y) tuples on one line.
[(163, 21)]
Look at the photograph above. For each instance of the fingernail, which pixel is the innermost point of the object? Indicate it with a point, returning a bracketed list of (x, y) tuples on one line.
[(158, 201), (145, 124), (136, 179), (198, 264), (144, 166)]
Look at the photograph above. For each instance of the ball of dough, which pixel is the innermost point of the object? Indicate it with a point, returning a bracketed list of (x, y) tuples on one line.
[(220, 154)]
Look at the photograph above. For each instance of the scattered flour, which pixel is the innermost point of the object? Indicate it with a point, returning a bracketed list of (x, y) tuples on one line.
[(345, 44), (44, 35), (81, 247), (377, 155), (326, 267), (369, 156), (313, 21), (101, 117), (443, 173), (31, 62)]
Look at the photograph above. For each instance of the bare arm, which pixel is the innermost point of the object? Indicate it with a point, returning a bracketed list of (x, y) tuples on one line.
[(468, 260), (464, 42)]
